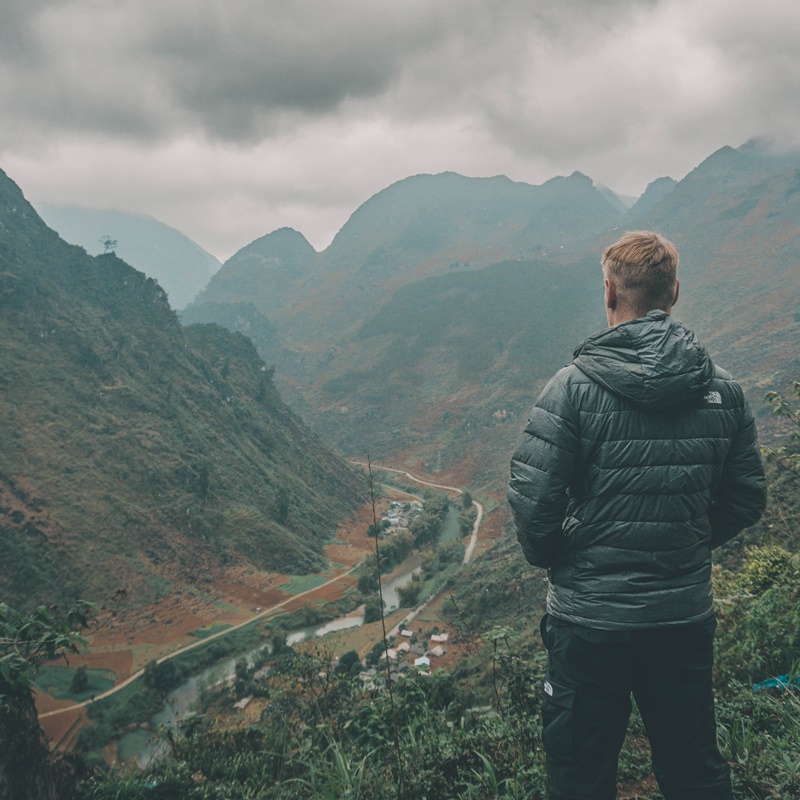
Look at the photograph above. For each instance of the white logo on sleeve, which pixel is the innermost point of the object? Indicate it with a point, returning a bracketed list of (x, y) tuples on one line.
[(548, 688), (713, 398)]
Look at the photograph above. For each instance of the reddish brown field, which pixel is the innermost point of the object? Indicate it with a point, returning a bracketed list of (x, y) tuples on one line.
[(345, 554), (137, 635), (333, 591), (62, 729)]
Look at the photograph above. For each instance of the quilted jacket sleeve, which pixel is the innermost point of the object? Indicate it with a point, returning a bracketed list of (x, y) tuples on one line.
[(741, 494), (542, 469)]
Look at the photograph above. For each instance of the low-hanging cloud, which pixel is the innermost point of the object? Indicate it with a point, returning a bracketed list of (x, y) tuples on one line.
[(228, 118)]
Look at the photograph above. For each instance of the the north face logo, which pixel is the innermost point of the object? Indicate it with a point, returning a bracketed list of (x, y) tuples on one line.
[(548, 688), (714, 398)]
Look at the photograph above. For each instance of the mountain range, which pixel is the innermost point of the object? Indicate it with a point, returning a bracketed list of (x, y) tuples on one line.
[(444, 302), (422, 333), (421, 226)]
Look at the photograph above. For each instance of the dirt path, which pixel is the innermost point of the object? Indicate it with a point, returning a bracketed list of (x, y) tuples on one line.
[(409, 475), (199, 643), (473, 539)]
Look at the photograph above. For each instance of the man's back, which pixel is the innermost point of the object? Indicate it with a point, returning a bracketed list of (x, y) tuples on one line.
[(649, 435)]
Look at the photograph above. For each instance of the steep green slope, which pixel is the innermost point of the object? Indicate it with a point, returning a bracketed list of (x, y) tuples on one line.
[(242, 318), (133, 453), (449, 359)]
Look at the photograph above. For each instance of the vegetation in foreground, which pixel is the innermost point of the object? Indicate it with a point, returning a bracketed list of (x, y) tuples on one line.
[(475, 733)]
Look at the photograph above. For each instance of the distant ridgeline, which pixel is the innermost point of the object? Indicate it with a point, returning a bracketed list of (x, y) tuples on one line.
[(135, 453), (181, 267), (444, 302)]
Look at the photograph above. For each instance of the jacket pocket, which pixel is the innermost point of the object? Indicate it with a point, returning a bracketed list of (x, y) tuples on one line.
[(569, 526), (573, 532), (557, 717)]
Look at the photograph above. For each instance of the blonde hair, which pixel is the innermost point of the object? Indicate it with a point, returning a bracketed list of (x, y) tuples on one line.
[(643, 266)]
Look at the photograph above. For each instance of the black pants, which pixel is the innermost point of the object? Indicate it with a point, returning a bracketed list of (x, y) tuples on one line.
[(587, 701)]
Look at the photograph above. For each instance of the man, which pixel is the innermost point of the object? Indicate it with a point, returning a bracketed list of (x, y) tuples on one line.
[(638, 459)]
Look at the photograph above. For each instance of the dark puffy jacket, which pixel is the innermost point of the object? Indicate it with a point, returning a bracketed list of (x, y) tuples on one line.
[(638, 459)]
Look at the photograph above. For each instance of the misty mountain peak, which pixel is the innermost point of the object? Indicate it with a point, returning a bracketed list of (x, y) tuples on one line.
[(285, 244), (574, 180), (655, 192), (723, 159), (262, 271)]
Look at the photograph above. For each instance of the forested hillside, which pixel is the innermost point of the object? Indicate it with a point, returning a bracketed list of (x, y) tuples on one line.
[(134, 453), (451, 360)]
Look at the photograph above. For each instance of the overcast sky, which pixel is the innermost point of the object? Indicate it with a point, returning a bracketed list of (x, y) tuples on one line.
[(229, 118)]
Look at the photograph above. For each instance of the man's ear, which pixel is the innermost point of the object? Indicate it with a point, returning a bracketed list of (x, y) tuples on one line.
[(677, 292), (611, 294)]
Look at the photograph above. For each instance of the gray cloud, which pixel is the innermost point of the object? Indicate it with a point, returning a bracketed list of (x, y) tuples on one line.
[(17, 37), (153, 69), (233, 70), (227, 119)]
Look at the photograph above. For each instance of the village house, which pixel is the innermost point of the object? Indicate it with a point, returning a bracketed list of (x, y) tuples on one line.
[(405, 653), (399, 515)]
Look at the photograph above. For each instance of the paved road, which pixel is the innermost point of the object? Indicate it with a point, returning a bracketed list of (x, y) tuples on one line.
[(473, 539)]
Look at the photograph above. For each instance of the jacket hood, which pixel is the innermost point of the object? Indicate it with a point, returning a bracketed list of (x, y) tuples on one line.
[(652, 361)]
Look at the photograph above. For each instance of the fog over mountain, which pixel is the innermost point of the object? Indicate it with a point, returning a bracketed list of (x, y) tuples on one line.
[(228, 120)]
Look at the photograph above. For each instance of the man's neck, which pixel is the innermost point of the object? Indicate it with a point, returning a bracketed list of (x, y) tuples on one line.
[(616, 316)]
